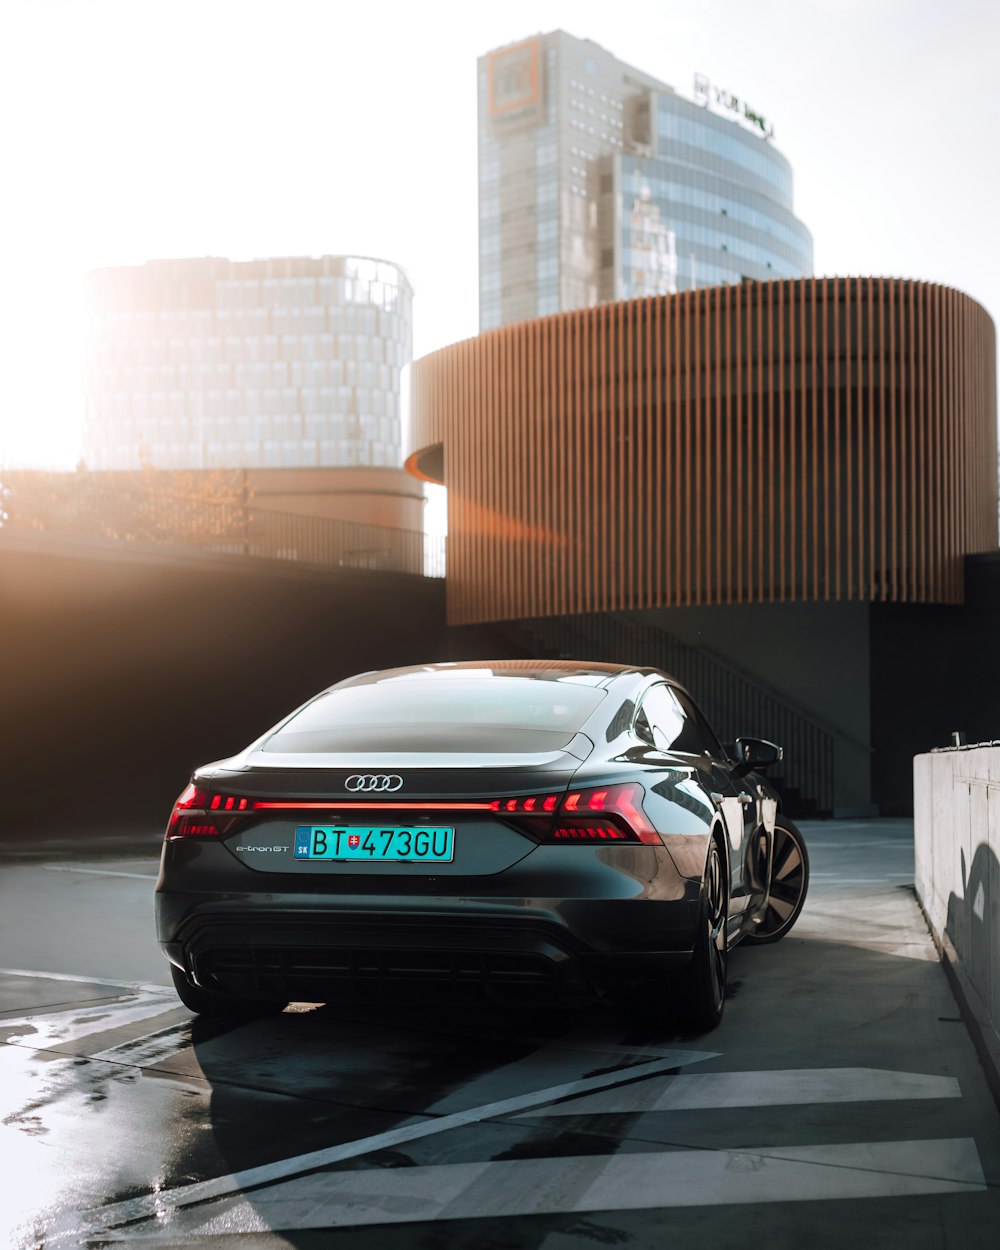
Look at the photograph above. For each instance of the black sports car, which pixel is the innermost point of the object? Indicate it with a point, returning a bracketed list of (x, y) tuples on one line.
[(550, 830)]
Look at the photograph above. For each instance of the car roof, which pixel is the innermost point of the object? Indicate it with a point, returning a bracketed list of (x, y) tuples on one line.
[(527, 668), (626, 682)]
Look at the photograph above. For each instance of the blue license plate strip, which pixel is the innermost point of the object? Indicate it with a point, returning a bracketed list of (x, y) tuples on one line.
[(387, 844)]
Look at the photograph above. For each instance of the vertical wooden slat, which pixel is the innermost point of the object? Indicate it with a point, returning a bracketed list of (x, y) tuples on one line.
[(563, 468), (872, 421), (618, 453), (970, 433), (678, 474), (798, 489), (658, 422), (944, 423), (567, 594), (644, 450), (940, 504), (720, 483), (772, 486), (488, 565), (855, 453), (926, 446), (914, 587), (517, 544), (781, 481), (892, 401), (815, 526), (532, 553), (588, 460), (699, 497), (605, 459), (759, 469), (836, 382), (541, 442), (958, 466), (952, 502), (739, 382), (726, 446), (829, 489), (626, 389), (805, 510), (751, 478), (491, 520), (685, 493)]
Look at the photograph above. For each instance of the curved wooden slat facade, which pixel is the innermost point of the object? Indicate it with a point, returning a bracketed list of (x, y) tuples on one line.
[(813, 439)]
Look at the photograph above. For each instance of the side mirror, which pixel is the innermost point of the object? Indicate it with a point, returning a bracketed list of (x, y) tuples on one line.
[(754, 753)]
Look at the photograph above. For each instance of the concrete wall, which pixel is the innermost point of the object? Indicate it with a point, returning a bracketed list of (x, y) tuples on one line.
[(957, 824), (124, 667)]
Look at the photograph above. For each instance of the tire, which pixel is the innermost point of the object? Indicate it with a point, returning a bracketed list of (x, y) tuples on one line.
[(209, 1003), (789, 885), (704, 982)]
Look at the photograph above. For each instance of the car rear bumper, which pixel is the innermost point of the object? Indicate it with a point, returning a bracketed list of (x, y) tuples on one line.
[(301, 940), (312, 957)]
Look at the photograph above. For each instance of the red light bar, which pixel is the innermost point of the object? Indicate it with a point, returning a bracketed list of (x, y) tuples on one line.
[(259, 805), (533, 805)]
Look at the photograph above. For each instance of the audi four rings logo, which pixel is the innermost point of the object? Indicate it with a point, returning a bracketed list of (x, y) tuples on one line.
[(373, 781)]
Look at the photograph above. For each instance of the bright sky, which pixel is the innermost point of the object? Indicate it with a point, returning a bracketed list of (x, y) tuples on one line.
[(137, 129)]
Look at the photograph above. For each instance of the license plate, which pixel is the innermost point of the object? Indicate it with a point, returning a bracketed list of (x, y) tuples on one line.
[(421, 844)]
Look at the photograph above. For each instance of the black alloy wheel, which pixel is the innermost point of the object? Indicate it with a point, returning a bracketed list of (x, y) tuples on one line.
[(706, 974), (789, 885), (209, 1003)]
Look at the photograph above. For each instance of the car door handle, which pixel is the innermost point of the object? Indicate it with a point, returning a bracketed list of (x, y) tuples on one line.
[(745, 799), (716, 797)]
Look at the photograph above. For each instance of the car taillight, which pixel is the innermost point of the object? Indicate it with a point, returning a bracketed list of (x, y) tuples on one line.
[(601, 814), (534, 804), (197, 813)]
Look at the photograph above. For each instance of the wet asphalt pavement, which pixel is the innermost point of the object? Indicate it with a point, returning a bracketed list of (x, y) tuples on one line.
[(840, 1102)]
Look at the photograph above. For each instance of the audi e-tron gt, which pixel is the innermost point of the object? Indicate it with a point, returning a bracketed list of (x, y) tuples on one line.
[(548, 831)]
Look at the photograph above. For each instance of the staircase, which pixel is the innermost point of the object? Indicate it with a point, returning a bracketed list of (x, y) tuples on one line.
[(736, 705)]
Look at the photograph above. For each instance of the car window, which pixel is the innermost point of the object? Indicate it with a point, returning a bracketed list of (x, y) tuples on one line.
[(458, 714), (675, 724)]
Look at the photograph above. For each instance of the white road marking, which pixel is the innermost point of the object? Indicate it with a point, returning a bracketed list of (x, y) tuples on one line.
[(704, 1091), (100, 872), (621, 1182), (150, 1048), (145, 987), (548, 1066), (223, 1186), (84, 1020)]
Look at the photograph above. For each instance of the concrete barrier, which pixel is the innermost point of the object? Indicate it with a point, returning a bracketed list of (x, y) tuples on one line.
[(957, 851)]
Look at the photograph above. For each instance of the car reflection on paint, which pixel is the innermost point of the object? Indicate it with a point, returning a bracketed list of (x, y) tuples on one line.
[(541, 831)]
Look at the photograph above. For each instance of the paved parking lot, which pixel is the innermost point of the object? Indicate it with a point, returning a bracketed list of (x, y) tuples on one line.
[(840, 1101)]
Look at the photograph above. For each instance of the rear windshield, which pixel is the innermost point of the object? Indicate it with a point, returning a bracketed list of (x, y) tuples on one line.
[(446, 712)]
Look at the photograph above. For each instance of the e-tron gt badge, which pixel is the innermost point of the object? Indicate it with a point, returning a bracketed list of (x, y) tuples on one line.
[(371, 782)]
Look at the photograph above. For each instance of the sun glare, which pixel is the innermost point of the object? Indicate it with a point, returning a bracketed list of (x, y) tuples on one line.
[(41, 420)]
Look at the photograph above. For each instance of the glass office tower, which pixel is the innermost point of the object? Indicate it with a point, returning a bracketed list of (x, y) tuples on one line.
[(282, 363), (598, 182)]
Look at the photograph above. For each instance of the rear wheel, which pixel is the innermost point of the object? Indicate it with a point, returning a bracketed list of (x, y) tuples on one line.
[(704, 982), (209, 1003), (789, 885)]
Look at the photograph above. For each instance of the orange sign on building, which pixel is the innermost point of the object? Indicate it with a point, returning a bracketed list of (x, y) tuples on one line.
[(513, 77)]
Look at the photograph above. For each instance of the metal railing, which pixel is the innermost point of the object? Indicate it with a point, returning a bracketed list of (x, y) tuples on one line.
[(94, 509), (731, 700)]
